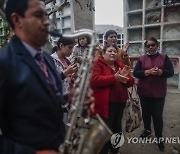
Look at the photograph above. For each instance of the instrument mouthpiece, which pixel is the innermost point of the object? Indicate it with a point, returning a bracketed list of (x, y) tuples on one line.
[(55, 33)]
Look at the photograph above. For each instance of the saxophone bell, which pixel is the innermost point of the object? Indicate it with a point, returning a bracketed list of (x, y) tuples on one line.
[(96, 137)]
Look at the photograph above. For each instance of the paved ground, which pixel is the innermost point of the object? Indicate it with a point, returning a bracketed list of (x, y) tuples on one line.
[(171, 129)]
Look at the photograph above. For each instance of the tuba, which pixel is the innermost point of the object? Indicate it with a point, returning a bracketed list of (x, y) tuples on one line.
[(93, 140)]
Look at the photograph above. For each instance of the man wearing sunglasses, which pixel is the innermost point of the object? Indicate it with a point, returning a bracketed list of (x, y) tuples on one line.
[(152, 70)]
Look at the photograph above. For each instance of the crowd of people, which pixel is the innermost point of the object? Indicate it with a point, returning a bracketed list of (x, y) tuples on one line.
[(35, 87)]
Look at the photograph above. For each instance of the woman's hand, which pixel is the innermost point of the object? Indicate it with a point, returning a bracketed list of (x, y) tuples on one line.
[(121, 78), (125, 71), (72, 68), (153, 71), (147, 72), (125, 47), (90, 100), (159, 72), (156, 71)]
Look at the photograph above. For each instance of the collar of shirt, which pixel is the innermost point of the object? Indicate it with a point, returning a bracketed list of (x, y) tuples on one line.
[(30, 49), (152, 53), (33, 52), (55, 56)]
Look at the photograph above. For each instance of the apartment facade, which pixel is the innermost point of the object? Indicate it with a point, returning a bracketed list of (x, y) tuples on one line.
[(101, 30), (157, 18), (73, 16), (4, 31), (146, 18)]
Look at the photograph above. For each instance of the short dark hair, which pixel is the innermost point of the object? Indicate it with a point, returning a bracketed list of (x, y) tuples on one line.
[(107, 46), (151, 39), (54, 49), (18, 6), (65, 41), (109, 32)]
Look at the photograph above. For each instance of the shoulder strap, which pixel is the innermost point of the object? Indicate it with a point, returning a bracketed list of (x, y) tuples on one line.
[(133, 90)]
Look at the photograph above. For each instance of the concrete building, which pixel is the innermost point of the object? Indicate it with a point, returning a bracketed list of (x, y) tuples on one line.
[(145, 18), (157, 18), (101, 30), (73, 16), (4, 30)]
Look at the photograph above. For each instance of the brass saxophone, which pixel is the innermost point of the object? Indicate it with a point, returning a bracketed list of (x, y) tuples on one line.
[(99, 133)]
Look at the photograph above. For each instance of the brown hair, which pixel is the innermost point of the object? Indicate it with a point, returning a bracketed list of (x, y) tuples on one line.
[(107, 46)]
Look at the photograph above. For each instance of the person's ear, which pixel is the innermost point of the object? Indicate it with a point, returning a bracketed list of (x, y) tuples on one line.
[(60, 45), (16, 20)]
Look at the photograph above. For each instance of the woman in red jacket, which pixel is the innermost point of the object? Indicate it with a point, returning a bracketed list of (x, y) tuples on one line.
[(110, 80)]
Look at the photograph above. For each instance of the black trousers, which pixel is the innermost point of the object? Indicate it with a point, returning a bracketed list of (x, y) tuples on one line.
[(153, 107), (114, 123)]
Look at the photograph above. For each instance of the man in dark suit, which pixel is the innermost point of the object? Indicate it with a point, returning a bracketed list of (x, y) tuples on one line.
[(30, 90)]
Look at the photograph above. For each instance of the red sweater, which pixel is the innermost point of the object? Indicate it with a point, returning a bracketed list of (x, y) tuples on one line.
[(101, 82)]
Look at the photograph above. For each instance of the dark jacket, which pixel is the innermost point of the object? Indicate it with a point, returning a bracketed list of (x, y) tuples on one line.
[(101, 83), (30, 110), (153, 85)]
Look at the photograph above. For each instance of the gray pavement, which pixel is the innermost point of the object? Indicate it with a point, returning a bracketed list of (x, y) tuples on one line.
[(171, 128)]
